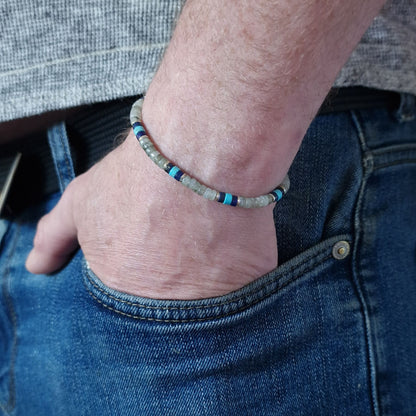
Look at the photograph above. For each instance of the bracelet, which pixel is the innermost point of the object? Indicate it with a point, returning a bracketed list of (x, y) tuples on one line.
[(190, 182)]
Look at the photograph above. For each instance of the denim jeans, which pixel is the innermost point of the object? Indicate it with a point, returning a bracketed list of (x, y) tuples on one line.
[(330, 331)]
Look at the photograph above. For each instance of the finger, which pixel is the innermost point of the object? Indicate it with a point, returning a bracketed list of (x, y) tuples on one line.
[(55, 239)]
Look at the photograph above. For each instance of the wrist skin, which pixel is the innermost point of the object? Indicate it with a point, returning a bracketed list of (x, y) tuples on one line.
[(242, 80)]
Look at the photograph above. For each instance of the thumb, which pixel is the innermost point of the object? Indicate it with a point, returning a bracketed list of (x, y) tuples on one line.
[(55, 239)]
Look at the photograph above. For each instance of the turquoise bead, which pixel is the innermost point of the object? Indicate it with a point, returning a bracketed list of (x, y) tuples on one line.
[(228, 199), (174, 171)]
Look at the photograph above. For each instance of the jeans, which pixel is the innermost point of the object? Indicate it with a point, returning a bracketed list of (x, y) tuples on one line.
[(330, 331)]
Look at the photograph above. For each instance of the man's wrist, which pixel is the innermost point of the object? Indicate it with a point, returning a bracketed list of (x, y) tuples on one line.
[(241, 82), (236, 160)]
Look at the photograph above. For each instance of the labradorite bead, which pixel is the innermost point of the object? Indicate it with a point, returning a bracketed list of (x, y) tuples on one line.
[(162, 162), (186, 180), (200, 189), (210, 194)]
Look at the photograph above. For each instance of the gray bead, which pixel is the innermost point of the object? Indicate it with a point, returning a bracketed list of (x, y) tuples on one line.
[(186, 180), (157, 159), (146, 146), (145, 141), (210, 194), (200, 190), (149, 150), (285, 184), (241, 202), (162, 162), (258, 202), (134, 119), (262, 201), (245, 202), (136, 112), (183, 177), (194, 185), (153, 155), (251, 203)]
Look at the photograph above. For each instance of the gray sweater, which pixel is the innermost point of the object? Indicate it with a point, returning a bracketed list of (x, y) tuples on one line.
[(65, 53)]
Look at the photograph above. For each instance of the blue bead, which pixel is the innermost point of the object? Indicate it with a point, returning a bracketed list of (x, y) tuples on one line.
[(168, 167), (174, 171), (138, 130), (178, 175), (278, 194), (234, 201), (221, 197)]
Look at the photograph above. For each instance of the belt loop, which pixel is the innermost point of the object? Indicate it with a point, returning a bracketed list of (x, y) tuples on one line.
[(61, 154), (407, 108)]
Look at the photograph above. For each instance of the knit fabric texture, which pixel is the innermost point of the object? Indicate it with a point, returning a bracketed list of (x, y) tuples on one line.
[(65, 53), (385, 58)]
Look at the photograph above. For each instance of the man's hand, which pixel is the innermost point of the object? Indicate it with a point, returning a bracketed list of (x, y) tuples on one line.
[(145, 234)]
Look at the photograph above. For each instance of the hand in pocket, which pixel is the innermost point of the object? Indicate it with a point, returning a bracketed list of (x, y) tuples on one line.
[(145, 234)]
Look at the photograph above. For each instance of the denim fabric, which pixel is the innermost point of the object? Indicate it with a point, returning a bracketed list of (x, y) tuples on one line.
[(61, 154), (327, 332)]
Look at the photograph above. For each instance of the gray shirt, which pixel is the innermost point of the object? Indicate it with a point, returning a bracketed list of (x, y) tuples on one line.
[(83, 52)]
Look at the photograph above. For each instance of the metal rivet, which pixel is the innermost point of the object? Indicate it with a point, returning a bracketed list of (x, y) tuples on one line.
[(341, 250)]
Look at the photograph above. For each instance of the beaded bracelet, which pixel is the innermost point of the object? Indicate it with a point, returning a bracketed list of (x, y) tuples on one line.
[(191, 183)]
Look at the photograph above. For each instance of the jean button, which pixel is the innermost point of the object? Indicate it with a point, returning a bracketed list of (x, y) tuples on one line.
[(341, 250)]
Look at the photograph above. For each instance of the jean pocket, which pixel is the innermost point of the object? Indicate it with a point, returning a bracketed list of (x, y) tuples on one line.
[(235, 305), (286, 337)]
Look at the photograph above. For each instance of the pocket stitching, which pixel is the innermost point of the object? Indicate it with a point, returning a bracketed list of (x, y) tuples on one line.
[(270, 281), (209, 318)]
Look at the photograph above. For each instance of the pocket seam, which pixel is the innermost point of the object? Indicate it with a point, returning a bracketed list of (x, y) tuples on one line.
[(208, 318), (188, 311), (214, 305)]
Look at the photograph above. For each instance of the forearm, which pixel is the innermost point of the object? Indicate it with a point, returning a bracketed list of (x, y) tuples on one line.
[(242, 80)]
